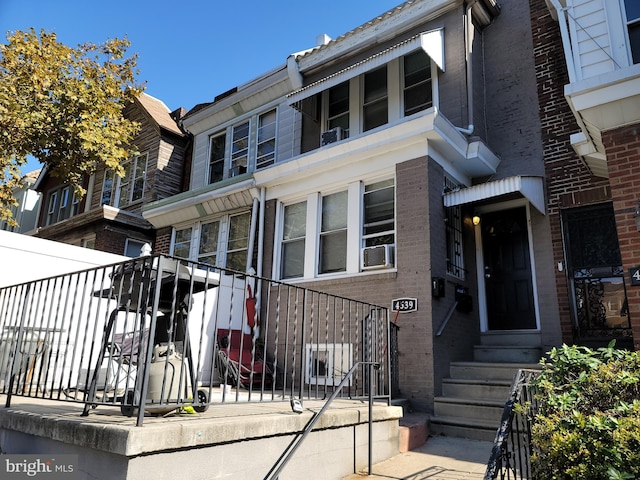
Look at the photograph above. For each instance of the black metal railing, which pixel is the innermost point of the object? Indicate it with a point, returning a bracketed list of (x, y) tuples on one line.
[(512, 449), (157, 334)]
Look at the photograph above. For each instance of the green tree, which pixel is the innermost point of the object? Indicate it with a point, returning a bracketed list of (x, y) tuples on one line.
[(63, 106)]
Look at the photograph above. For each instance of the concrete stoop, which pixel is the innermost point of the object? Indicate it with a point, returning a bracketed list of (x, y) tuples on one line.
[(474, 395), (413, 431)]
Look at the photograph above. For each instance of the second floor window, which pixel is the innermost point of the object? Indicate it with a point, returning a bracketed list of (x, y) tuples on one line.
[(417, 82), (62, 204), (216, 158), (243, 147), (379, 214), (132, 184), (121, 192), (338, 108), (632, 10), (375, 101), (239, 149), (266, 153)]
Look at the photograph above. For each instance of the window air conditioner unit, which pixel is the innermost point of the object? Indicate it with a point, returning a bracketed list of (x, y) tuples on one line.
[(331, 136), (379, 256), (239, 170)]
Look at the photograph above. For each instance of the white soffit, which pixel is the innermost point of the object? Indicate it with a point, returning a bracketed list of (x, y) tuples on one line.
[(431, 42), (530, 188)]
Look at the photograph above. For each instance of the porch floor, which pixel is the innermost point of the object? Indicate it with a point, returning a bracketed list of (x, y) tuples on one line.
[(257, 432)]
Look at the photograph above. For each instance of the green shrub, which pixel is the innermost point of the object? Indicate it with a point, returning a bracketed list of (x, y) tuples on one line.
[(588, 422)]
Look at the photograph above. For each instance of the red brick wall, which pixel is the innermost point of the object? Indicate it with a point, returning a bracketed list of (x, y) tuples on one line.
[(623, 159), (163, 241), (569, 182)]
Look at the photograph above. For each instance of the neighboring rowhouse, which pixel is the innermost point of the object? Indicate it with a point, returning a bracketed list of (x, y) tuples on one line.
[(590, 107), (401, 160), (25, 212), (109, 217)]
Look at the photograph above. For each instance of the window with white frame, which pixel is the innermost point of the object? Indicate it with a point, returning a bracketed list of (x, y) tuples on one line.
[(223, 242), (133, 248), (182, 242), (216, 157), (131, 185), (108, 188), (453, 233), (378, 227), (333, 233), (266, 140), (62, 204), (128, 189), (239, 149), (238, 241), (325, 234), (632, 11), (52, 208), (293, 240), (208, 242), (243, 147), (418, 94), (375, 99)]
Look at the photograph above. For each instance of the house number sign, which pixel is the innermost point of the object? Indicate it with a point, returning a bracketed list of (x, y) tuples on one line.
[(404, 305), (634, 275)]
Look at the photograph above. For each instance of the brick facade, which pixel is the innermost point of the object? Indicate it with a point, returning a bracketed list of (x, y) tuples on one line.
[(623, 159), (569, 182)]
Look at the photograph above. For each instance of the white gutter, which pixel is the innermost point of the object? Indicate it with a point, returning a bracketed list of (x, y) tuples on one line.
[(566, 39), (469, 33)]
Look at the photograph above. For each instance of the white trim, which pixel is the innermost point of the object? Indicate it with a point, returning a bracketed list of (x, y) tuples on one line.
[(431, 42)]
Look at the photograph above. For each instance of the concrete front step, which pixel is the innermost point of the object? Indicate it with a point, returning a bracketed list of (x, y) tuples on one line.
[(472, 429), (512, 338), (469, 408), (478, 389), (413, 431), (487, 370), (506, 354)]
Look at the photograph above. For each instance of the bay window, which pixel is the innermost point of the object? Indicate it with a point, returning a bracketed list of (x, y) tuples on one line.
[(223, 242), (326, 234)]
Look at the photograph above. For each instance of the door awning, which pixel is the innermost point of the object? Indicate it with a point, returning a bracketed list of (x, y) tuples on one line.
[(531, 188), (431, 42)]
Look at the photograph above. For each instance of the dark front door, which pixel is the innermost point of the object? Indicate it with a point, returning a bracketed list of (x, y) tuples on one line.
[(507, 271)]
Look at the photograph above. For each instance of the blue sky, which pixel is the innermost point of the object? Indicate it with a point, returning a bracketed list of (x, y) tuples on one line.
[(189, 51)]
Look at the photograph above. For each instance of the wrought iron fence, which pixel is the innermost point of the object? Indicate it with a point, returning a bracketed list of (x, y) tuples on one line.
[(512, 448), (157, 334)]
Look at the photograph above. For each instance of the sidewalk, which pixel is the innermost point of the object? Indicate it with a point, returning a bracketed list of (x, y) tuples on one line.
[(440, 458)]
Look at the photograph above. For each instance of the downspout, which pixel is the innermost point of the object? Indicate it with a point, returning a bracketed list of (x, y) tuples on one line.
[(258, 292), (566, 39), (252, 234), (468, 46)]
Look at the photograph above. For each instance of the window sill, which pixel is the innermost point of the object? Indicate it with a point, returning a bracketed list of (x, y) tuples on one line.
[(390, 273)]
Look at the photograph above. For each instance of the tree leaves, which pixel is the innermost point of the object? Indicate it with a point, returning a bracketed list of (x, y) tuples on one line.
[(64, 106)]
